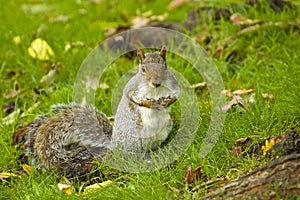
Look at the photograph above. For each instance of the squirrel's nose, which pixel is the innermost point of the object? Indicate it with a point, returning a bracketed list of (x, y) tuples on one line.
[(156, 84)]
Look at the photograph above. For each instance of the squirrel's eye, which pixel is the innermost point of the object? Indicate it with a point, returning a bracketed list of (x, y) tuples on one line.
[(143, 68)]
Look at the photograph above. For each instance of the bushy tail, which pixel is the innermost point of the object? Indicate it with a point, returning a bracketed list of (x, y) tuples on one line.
[(69, 141)]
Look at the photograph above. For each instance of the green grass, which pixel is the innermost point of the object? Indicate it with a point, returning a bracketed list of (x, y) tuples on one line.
[(267, 59)]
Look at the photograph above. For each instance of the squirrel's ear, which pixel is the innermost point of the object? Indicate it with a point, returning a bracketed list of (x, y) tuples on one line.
[(141, 55), (163, 52)]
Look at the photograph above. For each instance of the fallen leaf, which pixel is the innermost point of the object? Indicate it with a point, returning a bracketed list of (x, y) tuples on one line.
[(92, 188), (145, 18), (49, 78), (268, 145), (236, 100), (243, 141), (17, 40), (270, 97), (66, 188), (236, 150), (5, 175), (218, 52), (191, 175), (175, 3), (188, 176), (39, 49), (198, 85), (242, 91), (26, 168), (139, 21), (239, 19)]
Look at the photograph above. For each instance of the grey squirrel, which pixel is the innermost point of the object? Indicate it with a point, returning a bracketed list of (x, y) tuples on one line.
[(71, 139)]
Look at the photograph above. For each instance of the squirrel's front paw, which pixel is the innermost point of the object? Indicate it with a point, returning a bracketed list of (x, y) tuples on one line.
[(166, 101), (148, 103)]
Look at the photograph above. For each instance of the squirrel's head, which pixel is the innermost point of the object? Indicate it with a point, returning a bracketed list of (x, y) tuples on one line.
[(153, 66)]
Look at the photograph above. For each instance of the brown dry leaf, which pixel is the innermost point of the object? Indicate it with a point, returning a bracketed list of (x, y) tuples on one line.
[(191, 175), (66, 188), (26, 168), (226, 93), (243, 141), (236, 150), (4, 175), (218, 52), (40, 49), (242, 91), (236, 100), (175, 3), (139, 21), (145, 18), (188, 176), (239, 19), (270, 97)]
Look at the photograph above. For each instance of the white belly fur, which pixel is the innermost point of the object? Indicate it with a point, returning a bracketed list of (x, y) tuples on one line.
[(156, 122)]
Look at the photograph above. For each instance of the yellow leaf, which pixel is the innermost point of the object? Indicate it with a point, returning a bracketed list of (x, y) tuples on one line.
[(68, 189), (268, 145), (39, 49), (4, 175), (96, 186), (17, 40), (26, 168)]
